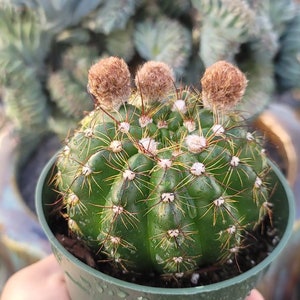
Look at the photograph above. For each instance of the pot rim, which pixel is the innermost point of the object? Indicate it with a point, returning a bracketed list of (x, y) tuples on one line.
[(168, 291)]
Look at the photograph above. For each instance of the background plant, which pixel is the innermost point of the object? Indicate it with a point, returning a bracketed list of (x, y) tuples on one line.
[(40, 41)]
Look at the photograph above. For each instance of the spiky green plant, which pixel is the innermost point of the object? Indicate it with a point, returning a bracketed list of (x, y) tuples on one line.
[(288, 61), (23, 48), (164, 39), (163, 179), (67, 87)]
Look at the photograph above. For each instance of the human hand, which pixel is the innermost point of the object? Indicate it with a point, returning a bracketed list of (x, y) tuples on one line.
[(43, 280), (255, 295)]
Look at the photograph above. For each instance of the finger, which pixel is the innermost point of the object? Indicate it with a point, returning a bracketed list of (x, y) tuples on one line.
[(255, 295)]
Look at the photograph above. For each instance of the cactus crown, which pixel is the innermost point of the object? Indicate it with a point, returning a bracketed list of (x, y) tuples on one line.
[(163, 179)]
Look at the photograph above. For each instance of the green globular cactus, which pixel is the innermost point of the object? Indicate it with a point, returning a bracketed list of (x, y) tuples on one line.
[(160, 178)]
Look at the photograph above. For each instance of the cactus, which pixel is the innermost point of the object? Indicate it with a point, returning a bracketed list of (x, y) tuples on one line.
[(66, 87), (160, 178)]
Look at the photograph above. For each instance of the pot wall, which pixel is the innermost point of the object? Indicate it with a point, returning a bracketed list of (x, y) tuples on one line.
[(86, 283)]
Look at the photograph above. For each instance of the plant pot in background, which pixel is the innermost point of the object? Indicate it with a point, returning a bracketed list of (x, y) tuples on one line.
[(282, 281), (85, 282)]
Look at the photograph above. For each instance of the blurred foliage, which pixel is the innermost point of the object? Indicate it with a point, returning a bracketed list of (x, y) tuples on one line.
[(46, 48)]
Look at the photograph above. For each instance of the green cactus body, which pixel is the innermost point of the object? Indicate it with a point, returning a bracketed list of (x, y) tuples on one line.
[(165, 186)]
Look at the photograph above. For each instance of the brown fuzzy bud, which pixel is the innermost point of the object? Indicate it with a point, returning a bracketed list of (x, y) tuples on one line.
[(154, 80), (109, 82), (223, 86)]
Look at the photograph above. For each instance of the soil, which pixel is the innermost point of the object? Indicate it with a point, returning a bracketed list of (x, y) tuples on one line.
[(258, 245)]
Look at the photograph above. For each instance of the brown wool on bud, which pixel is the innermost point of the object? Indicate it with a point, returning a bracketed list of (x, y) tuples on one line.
[(154, 80), (223, 86), (109, 83)]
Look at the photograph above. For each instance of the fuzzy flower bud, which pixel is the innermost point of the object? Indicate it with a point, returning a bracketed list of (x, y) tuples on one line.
[(223, 86), (154, 80), (109, 82)]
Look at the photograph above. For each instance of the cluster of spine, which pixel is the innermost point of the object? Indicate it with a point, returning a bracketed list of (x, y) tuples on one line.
[(154, 178)]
